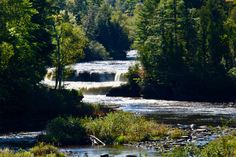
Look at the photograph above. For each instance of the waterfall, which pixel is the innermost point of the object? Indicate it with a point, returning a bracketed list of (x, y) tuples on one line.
[(120, 76), (95, 78)]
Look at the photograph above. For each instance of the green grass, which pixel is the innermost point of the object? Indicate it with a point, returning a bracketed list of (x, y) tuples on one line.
[(114, 128), (122, 127), (40, 150), (221, 147)]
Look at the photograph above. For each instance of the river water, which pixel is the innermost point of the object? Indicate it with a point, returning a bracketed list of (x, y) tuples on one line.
[(95, 79)]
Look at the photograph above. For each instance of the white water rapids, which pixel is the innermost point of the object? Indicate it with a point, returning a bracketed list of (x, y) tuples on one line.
[(96, 78)]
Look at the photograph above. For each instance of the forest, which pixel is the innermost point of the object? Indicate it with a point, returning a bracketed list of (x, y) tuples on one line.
[(186, 52), (188, 49), (37, 34)]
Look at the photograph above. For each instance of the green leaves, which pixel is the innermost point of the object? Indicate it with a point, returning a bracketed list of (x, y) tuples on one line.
[(73, 42), (6, 52), (182, 43)]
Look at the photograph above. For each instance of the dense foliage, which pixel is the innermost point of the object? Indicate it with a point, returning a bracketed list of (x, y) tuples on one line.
[(37, 34), (66, 131), (187, 49), (104, 22), (25, 48)]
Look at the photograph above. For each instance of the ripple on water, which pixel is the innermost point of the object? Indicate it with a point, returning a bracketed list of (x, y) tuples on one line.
[(121, 151), (197, 112)]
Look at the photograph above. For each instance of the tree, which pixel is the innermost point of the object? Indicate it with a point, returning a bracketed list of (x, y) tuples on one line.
[(230, 26), (160, 40), (25, 47), (110, 34), (70, 41), (186, 47)]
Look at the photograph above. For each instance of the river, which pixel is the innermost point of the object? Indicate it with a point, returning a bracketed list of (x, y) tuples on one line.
[(96, 78)]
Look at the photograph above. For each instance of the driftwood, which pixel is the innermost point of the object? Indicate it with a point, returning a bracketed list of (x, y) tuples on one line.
[(95, 140)]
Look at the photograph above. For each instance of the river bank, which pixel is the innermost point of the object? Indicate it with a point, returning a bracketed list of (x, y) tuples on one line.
[(199, 136), (95, 79), (105, 75)]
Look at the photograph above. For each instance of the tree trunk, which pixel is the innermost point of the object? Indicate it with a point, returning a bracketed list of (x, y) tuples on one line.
[(59, 66), (175, 25)]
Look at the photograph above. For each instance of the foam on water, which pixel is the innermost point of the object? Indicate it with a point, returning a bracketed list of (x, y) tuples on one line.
[(176, 109), (94, 92)]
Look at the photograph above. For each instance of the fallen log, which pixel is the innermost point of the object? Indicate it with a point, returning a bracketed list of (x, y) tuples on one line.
[(95, 140)]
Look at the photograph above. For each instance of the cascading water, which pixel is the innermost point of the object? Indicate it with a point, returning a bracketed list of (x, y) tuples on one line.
[(95, 79), (120, 76)]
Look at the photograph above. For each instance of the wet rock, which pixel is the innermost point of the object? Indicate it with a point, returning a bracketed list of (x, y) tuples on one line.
[(200, 130), (204, 127), (131, 156), (184, 137), (85, 155), (104, 155), (125, 91), (181, 126), (179, 140), (192, 126)]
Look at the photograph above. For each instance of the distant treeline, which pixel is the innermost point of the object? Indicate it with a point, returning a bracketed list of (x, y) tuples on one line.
[(187, 49)]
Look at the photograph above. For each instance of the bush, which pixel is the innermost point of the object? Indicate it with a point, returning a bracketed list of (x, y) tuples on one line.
[(65, 131), (55, 102), (8, 153), (34, 107), (187, 151), (123, 127), (40, 150), (222, 147), (134, 75), (176, 133), (45, 149), (232, 74)]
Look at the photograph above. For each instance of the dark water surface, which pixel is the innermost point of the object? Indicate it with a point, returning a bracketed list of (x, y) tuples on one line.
[(120, 151)]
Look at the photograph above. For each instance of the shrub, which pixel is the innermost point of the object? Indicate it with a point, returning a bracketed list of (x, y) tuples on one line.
[(222, 147), (134, 75), (34, 107), (65, 131), (41, 150), (187, 151), (54, 102), (176, 133), (8, 153), (123, 127), (232, 74)]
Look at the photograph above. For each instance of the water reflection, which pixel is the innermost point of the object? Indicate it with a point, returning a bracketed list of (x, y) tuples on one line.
[(120, 151)]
